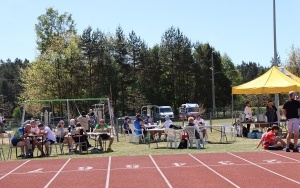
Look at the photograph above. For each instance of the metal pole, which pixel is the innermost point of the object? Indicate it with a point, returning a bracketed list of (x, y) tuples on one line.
[(274, 30), (213, 83), (275, 57)]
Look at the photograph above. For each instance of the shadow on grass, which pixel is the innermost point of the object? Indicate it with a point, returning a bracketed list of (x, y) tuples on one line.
[(225, 143)]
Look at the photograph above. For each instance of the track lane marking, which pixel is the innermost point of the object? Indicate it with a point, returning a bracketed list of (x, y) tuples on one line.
[(47, 185), (223, 177), (14, 169), (284, 156), (264, 168), (161, 173), (108, 172)]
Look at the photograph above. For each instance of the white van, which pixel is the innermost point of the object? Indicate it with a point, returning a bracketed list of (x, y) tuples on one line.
[(157, 112)]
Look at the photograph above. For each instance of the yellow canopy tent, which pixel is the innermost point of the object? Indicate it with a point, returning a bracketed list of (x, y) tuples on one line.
[(289, 74), (273, 81)]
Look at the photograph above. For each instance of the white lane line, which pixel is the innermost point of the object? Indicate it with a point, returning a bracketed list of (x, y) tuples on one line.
[(235, 185), (57, 173), (161, 173), (108, 173), (284, 156), (14, 169), (265, 168)]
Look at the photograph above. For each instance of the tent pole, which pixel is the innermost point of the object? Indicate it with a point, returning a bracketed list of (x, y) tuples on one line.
[(232, 108), (277, 106)]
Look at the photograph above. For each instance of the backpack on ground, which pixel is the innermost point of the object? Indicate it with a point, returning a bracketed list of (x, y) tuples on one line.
[(183, 144)]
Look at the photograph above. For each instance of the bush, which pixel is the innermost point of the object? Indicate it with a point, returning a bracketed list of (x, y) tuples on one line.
[(17, 114)]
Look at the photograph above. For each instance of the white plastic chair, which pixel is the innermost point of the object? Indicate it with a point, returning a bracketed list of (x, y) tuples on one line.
[(11, 146), (2, 146), (227, 129), (60, 144), (135, 135), (171, 137), (128, 134), (191, 132)]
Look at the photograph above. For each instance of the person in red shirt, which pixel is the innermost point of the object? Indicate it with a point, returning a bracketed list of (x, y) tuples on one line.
[(262, 140), (270, 139)]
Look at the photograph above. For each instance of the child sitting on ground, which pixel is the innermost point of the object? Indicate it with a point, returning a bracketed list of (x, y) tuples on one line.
[(263, 137), (271, 141)]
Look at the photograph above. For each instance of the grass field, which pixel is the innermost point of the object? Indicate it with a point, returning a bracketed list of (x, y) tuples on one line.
[(124, 148)]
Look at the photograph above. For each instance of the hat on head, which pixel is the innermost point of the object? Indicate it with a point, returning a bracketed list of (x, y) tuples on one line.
[(137, 115), (291, 92), (167, 117), (31, 121)]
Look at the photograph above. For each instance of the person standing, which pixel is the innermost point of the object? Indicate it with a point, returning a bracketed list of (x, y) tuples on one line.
[(291, 111), (271, 111), (248, 114), (201, 124), (84, 120), (92, 120), (126, 126)]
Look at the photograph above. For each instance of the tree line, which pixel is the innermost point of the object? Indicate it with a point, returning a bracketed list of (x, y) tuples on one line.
[(123, 68)]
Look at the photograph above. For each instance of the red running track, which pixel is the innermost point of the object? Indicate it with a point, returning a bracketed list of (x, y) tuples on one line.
[(256, 169)]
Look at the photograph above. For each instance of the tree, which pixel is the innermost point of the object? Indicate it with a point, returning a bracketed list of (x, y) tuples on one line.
[(89, 43), (278, 61), (231, 71), (51, 25), (293, 62), (177, 61)]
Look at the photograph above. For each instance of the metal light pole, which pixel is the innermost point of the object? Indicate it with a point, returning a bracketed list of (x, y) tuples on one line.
[(213, 84), (275, 56)]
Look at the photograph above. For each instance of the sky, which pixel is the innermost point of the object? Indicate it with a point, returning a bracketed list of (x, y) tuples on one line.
[(243, 29)]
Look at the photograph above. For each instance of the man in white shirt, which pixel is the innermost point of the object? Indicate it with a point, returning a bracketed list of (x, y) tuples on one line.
[(48, 135), (168, 122)]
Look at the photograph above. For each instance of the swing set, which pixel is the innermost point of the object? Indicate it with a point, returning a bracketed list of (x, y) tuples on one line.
[(48, 114)]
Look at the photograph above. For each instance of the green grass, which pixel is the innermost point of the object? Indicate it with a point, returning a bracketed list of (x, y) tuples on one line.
[(124, 148)]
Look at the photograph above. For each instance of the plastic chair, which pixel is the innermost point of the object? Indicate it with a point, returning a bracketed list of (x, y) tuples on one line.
[(128, 134), (79, 140), (2, 146), (227, 129), (191, 132), (11, 147), (59, 143), (171, 137), (137, 133)]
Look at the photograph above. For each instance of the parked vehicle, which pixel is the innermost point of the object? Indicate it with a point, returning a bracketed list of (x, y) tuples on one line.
[(188, 109), (157, 112)]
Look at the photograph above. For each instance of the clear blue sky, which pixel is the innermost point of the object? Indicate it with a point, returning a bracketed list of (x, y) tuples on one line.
[(241, 28)]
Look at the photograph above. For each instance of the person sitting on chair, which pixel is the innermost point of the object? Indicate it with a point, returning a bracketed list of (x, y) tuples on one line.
[(36, 142), (201, 124), (20, 140), (72, 125), (192, 124), (62, 137), (49, 137), (83, 134), (103, 128)]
